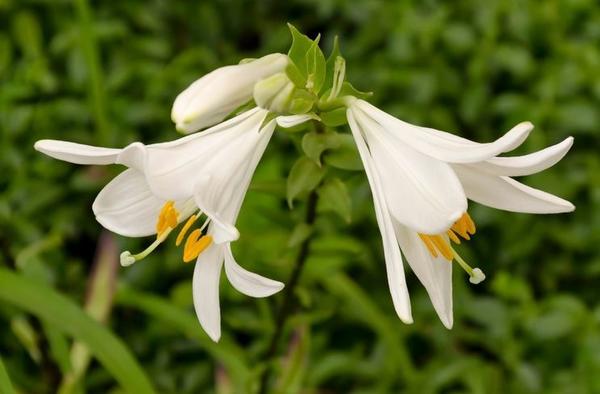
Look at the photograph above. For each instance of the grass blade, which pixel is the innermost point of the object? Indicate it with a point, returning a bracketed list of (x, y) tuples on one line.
[(54, 308), (5, 384)]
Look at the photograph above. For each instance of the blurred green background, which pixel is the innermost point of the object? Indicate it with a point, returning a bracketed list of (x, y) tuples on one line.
[(106, 72)]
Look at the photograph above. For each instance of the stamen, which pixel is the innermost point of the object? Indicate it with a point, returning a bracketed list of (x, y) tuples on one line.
[(442, 246), (167, 218), (453, 237), (185, 229), (430, 246), (195, 244)]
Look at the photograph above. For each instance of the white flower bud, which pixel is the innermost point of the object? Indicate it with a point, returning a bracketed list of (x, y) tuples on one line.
[(211, 98)]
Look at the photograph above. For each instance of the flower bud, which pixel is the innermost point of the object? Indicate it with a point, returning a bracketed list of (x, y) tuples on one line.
[(211, 98), (274, 93)]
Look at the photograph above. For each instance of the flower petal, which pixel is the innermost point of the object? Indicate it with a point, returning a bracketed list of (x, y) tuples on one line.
[(393, 259), (422, 193), (527, 164), (126, 205), (505, 193), (434, 273), (445, 146), (247, 282), (220, 195), (294, 120), (77, 153), (205, 284)]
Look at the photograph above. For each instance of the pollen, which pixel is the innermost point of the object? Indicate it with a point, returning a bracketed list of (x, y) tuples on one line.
[(167, 218), (195, 244)]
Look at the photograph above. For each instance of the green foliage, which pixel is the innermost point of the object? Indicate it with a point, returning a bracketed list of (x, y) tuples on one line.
[(107, 73)]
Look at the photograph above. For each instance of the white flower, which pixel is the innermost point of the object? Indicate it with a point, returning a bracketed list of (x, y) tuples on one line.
[(169, 183), (421, 178), (211, 98)]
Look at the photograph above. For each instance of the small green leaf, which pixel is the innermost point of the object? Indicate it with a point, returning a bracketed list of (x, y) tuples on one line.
[(6, 386), (316, 67), (334, 197), (295, 75), (301, 44), (300, 234), (349, 90), (334, 118), (314, 144), (304, 176), (345, 156)]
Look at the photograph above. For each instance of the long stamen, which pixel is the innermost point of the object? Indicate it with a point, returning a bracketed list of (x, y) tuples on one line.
[(185, 229)]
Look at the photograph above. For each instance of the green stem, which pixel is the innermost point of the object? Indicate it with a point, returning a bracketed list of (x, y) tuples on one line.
[(287, 305)]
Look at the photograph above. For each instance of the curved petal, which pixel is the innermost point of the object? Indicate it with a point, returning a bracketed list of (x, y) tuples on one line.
[(294, 120), (434, 273), (445, 146), (527, 164), (77, 153), (393, 259), (205, 284), (208, 198), (422, 193), (507, 194), (126, 205), (247, 282)]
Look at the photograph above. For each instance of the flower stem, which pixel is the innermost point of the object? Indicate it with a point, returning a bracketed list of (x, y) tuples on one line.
[(287, 305)]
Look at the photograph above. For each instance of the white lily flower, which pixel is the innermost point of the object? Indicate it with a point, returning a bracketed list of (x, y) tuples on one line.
[(421, 179), (207, 173), (211, 98)]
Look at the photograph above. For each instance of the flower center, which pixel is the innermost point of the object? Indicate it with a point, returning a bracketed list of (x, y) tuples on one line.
[(439, 245), (167, 221)]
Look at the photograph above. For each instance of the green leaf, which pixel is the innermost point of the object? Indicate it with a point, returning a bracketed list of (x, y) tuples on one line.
[(349, 90), (6, 386), (225, 352), (304, 176), (334, 118), (334, 197), (295, 363), (56, 309), (301, 44), (345, 156), (316, 67), (295, 75), (314, 144)]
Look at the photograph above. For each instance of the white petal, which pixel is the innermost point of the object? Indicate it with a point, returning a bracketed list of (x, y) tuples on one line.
[(422, 193), (126, 205), (393, 259), (77, 153), (434, 273), (294, 120), (445, 146), (173, 169), (220, 196), (507, 194), (206, 290), (527, 164), (247, 282)]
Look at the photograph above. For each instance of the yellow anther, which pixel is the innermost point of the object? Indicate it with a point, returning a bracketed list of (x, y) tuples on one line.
[(167, 218), (442, 246), (430, 246), (470, 223), (453, 237), (195, 244), (185, 229)]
